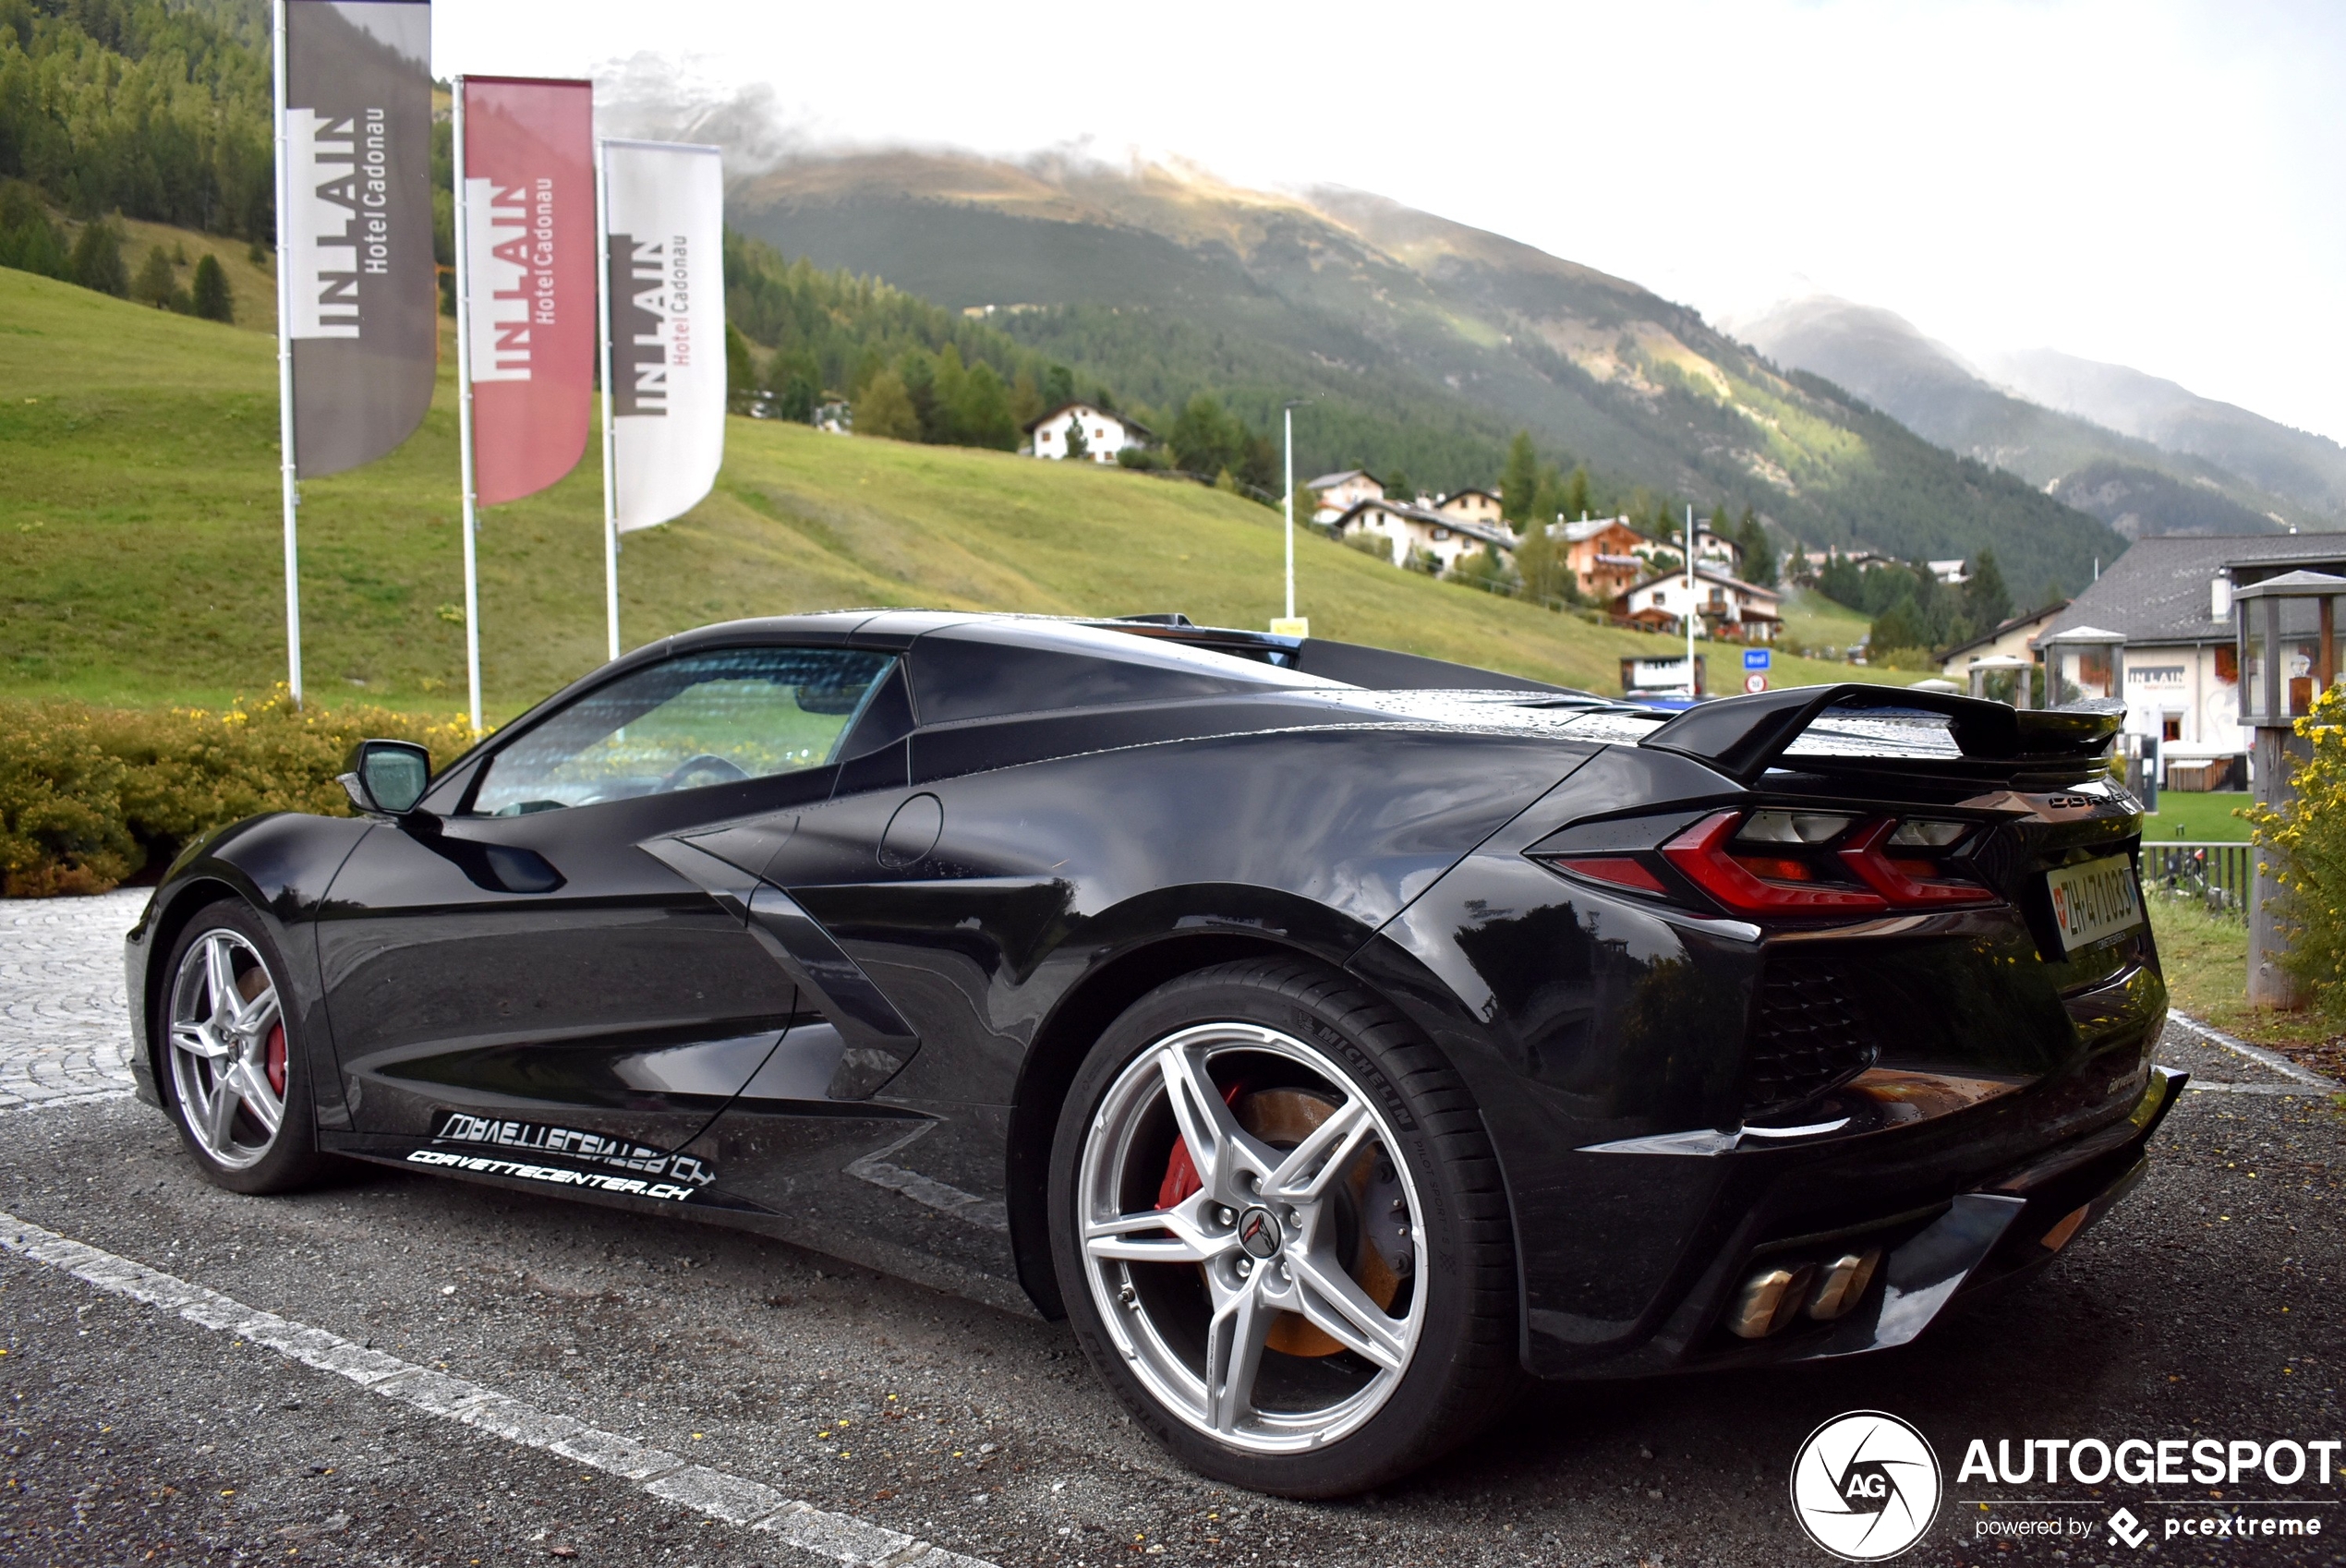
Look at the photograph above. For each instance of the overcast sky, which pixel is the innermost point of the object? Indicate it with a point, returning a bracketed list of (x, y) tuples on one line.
[(2154, 184)]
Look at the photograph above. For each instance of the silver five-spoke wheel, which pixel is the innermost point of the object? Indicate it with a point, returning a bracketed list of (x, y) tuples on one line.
[(1250, 1240), (227, 1047)]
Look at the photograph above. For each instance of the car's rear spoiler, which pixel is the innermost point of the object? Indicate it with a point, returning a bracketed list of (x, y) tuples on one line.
[(1742, 737)]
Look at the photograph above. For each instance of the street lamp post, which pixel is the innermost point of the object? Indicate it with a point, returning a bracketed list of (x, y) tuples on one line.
[(1693, 607), (1287, 417), (1290, 624), (2288, 648)]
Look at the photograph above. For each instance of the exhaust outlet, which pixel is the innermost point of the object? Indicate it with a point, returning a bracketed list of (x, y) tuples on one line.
[(1842, 1283), (1769, 1300)]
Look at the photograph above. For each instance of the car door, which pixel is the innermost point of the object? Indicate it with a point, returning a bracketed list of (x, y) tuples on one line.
[(529, 968)]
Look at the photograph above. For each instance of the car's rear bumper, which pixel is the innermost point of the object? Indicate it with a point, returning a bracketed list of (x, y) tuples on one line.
[(1935, 1256)]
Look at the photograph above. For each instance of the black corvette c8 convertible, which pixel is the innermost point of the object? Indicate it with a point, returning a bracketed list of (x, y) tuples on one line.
[(1334, 1036)]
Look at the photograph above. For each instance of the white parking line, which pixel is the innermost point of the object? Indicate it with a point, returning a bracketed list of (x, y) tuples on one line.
[(835, 1538)]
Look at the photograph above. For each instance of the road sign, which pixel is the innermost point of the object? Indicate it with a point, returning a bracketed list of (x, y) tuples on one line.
[(1755, 659), (1755, 683)]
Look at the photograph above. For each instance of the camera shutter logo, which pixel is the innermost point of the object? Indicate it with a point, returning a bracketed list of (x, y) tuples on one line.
[(1865, 1486)]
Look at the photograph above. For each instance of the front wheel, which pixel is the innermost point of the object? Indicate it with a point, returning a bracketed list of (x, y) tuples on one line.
[(1280, 1232), (238, 1079)]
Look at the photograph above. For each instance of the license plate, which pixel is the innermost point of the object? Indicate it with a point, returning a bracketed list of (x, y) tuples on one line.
[(2094, 900)]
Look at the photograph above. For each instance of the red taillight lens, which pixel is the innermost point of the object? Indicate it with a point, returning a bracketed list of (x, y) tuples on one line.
[(1751, 884), (1622, 870), (1909, 883)]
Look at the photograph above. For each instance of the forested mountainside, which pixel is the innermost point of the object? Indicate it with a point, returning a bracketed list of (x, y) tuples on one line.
[(1420, 342)]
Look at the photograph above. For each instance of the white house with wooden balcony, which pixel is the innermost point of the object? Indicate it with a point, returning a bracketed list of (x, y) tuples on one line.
[(1724, 606)]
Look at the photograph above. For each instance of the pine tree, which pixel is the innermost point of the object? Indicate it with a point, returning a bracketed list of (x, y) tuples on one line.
[(97, 259), (942, 419), (1203, 440), (886, 409), (1576, 493), (1078, 449), (982, 414), (28, 241), (1026, 398), (1521, 479), (211, 299), (741, 371), (1397, 487), (1541, 567), (1058, 387), (1986, 603), (1758, 555), (1547, 501)]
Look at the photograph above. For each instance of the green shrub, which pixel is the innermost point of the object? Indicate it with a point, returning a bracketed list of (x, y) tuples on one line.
[(2304, 841), (90, 796)]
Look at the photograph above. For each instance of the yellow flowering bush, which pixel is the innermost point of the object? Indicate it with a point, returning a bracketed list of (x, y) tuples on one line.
[(89, 796), (2307, 840)]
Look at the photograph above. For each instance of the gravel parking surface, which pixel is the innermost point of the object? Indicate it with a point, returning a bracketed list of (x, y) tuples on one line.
[(2205, 1307)]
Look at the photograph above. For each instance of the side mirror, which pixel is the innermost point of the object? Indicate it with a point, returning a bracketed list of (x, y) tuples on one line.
[(387, 778)]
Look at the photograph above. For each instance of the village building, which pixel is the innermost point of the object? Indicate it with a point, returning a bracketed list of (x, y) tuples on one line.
[(1105, 434), (2171, 597), (2015, 638), (1408, 530), (1475, 506), (1724, 606), (1714, 549), (1339, 493), (1811, 565), (1601, 553)]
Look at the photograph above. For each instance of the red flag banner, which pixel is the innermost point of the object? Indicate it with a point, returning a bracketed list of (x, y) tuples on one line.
[(529, 225)]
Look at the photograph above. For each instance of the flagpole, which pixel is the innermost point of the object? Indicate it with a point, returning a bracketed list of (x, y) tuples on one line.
[(291, 494), (603, 317), (464, 418)]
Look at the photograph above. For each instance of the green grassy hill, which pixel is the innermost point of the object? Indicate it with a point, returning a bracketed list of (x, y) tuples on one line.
[(140, 545)]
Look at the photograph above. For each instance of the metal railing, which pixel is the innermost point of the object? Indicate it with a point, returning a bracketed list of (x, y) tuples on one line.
[(2222, 874)]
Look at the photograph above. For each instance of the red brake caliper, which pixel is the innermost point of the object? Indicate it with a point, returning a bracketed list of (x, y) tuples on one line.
[(277, 1060), (1180, 1171)]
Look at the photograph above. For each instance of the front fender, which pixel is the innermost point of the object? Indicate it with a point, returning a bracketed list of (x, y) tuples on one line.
[(280, 866)]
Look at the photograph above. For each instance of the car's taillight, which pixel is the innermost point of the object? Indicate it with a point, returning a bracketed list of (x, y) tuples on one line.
[(1756, 878), (1622, 870), (1786, 864), (1909, 881)]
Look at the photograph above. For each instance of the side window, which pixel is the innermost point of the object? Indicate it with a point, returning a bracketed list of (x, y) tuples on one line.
[(705, 719)]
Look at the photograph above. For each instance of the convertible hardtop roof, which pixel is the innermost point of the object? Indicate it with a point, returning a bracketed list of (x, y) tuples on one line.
[(1352, 664)]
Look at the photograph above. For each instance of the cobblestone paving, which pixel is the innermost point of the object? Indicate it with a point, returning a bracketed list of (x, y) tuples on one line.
[(65, 1030)]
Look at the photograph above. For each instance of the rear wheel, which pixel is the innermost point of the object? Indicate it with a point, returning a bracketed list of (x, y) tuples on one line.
[(1280, 1232), (238, 1083)]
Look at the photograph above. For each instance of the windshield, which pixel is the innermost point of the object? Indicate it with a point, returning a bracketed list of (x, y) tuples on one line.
[(687, 724)]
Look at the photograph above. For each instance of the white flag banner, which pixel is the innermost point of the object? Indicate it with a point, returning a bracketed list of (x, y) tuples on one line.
[(664, 217)]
